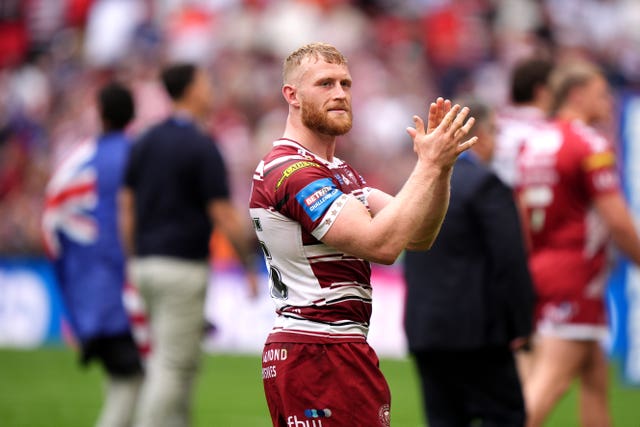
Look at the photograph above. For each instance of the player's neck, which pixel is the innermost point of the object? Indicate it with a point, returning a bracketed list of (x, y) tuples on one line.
[(321, 145), (570, 114)]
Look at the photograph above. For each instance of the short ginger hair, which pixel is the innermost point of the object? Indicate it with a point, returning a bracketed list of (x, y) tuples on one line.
[(316, 51)]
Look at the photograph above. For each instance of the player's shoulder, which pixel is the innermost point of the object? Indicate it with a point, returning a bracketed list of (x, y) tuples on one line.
[(587, 137), (288, 157), (288, 168), (544, 139)]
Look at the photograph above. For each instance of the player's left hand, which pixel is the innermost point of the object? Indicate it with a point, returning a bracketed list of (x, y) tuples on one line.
[(441, 141)]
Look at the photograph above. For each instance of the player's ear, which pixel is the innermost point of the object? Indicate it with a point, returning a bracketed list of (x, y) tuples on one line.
[(290, 94)]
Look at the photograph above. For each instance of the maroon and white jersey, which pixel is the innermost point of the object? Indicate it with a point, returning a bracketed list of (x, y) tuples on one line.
[(321, 294), (515, 125), (564, 167)]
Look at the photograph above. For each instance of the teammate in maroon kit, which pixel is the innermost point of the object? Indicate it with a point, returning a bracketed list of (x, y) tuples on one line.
[(573, 204), (319, 225)]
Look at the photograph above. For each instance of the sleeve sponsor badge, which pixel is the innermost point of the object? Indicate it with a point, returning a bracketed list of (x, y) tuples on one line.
[(317, 196)]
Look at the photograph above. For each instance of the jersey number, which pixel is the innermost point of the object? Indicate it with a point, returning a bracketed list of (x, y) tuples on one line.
[(277, 287), (538, 198)]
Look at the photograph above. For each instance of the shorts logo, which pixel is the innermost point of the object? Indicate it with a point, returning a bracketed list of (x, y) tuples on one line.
[(317, 413), (384, 414), (317, 196), (293, 168), (313, 414), (293, 421), (559, 313)]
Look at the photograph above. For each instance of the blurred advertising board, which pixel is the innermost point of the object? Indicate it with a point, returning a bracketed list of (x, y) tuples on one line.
[(624, 287), (30, 307), (32, 313), (241, 324)]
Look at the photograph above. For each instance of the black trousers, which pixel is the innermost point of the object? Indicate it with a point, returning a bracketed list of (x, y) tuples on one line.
[(118, 354), (471, 388)]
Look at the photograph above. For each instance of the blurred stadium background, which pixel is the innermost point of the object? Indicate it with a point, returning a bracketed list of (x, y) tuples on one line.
[(55, 53)]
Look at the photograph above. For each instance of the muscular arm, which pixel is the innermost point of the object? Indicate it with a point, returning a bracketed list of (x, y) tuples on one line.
[(426, 233), (612, 208), (126, 219), (417, 211), (228, 220)]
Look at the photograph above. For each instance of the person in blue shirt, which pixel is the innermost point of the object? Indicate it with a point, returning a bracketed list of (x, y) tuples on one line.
[(80, 224), (175, 192)]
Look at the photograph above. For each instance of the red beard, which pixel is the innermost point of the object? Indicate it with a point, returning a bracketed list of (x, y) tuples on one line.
[(319, 121)]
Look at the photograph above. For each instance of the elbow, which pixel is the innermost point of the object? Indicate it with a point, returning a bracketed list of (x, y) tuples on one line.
[(385, 256), (385, 260), (421, 245)]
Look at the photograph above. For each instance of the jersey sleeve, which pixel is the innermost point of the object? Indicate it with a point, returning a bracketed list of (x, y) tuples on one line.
[(598, 165), (308, 193)]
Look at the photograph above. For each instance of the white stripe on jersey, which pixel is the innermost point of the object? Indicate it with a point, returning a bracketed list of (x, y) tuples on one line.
[(344, 292), (319, 334), (299, 325)]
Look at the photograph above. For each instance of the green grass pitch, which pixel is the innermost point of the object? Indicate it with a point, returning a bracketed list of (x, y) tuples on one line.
[(46, 388)]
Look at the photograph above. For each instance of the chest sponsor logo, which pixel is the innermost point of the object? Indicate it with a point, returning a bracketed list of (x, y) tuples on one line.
[(317, 196), (292, 169)]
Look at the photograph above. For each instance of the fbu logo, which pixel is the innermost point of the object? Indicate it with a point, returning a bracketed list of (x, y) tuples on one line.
[(293, 421)]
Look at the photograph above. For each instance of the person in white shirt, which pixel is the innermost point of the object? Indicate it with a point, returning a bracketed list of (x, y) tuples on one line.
[(530, 102)]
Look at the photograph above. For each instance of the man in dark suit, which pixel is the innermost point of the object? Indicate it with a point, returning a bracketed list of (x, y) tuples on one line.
[(470, 298)]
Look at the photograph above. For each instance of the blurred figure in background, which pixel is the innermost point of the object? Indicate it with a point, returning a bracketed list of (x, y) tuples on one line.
[(529, 107), (573, 204), (81, 234), (530, 102), (469, 301), (175, 191)]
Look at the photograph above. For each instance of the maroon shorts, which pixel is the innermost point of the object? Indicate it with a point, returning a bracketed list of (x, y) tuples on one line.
[(572, 319), (325, 385), (570, 295)]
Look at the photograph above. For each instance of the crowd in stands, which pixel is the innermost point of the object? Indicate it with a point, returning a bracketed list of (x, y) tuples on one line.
[(402, 55)]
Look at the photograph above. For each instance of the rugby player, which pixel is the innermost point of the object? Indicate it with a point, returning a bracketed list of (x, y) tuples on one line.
[(320, 225)]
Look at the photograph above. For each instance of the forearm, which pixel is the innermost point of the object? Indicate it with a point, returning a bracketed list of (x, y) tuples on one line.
[(242, 243), (228, 221), (613, 210), (625, 236), (436, 209)]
